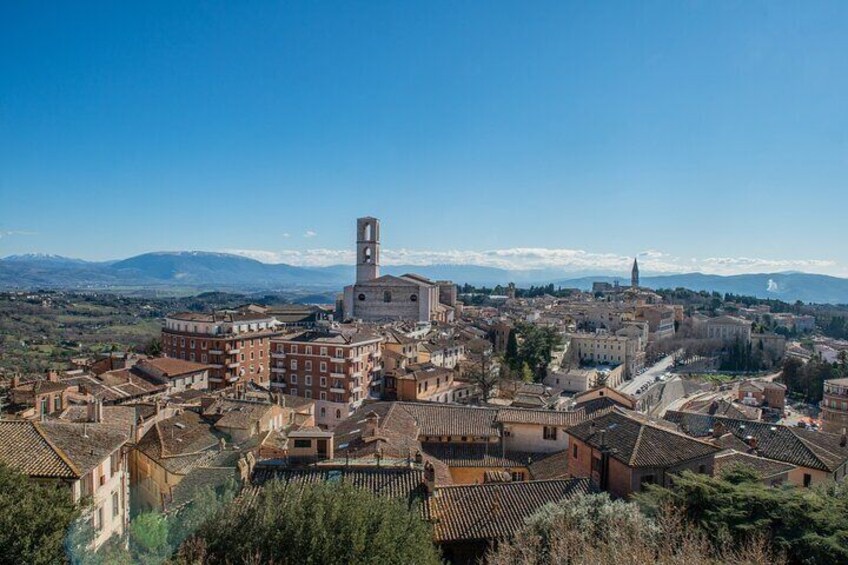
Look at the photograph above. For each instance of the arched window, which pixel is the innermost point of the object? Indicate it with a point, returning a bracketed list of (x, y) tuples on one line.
[(366, 255), (367, 233), (323, 412), (338, 414), (387, 296)]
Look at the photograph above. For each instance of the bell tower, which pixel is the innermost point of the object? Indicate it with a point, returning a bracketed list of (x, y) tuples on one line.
[(634, 274), (367, 249)]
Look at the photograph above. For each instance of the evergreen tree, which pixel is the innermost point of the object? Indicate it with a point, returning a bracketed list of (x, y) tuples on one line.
[(35, 520)]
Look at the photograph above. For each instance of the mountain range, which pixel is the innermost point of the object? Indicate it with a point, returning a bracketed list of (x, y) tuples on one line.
[(205, 271)]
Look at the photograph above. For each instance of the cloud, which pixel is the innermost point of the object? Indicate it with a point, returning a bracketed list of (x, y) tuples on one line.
[(309, 233), (286, 235), (8, 233), (563, 260)]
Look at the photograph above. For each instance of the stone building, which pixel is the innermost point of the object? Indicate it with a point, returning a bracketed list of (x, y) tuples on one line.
[(375, 298), (834, 406)]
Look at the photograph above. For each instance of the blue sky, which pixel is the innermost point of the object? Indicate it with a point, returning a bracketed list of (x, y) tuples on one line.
[(701, 135)]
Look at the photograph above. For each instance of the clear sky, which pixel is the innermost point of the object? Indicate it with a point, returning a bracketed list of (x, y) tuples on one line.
[(705, 135)]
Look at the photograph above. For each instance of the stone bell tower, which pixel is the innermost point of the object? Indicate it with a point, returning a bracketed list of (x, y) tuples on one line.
[(367, 249)]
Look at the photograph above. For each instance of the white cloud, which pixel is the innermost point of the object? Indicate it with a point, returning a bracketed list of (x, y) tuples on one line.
[(309, 233), (566, 260), (286, 235), (7, 233)]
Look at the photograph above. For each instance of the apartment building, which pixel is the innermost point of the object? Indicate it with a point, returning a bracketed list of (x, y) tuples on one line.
[(834, 406), (337, 368), (235, 345), (605, 348)]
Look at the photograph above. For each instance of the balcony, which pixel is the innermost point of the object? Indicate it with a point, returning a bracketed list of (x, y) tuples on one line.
[(278, 369), (233, 365), (337, 390), (338, 375), (278, 355), (215, 352), (337, 359), (233, 351)]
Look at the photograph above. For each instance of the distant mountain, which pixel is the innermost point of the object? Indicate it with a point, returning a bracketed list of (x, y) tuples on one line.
[(204, 271), (782, 286)]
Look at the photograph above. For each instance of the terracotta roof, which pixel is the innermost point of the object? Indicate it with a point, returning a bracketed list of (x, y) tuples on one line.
[(765, 468), (721, 407), (495, 510), (181, 442), (435, 419), (558, 418), (479, 455), (57, 449), (170, 367), (639, 442), (801, 447), (553, 466), (394, 482)]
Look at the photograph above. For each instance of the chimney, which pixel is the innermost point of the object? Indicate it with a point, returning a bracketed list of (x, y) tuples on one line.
[(372, 423), (718, 429), (53, 376), (429, 477), (752, 442), (95, 412), (419, 458)]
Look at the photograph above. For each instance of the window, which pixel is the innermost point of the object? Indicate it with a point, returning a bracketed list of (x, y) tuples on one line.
[(309, 350), (293, 379), (574, 451), (57, 403), (645, 480), (387, 296), (807, 479), (702, 469), (517, 476), (323, 366), (339, 352), (303, 443), (203, 358), (191, 356), (549, 433), (202, 345), (307, 365), (307, 393), (323, 396), (323, 382), (413, 298), (294, 349), (116, 508), (191, 343), (307, 380), (98, 519), (361, 297), (338, 414), (323, 351), (293, 392), (323, 410), (294, 364)]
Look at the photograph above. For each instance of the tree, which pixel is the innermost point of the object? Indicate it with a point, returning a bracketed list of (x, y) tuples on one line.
[(593, 529), (511, 354), (321, 523), (808, 525), (484, 372), (149, 539), (35, 520)]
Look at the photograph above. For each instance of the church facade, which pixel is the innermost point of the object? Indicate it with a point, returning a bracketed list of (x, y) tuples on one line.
[(409, 297)]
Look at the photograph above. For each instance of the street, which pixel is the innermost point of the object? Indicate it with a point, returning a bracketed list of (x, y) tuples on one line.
[(649, 376)]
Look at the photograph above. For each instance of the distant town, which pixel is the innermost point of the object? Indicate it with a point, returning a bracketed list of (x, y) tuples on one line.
[(474, 407)]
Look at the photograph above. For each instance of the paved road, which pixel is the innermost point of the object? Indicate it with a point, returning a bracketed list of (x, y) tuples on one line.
[(662, 366)]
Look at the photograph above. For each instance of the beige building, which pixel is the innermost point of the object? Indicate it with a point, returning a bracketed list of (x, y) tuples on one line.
[(604, 348), (87, 459), (728, 328)]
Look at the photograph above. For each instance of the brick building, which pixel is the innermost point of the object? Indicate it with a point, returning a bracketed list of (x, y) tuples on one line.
[(338, 368), (235, 345), (834, 406)]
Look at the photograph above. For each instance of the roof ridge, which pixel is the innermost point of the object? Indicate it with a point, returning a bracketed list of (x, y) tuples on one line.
[(568, 480), (62, 455), (632, 461), (811, 451)]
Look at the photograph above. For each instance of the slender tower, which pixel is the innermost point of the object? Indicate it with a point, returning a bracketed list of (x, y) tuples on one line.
[(634, 274), (367, 249)]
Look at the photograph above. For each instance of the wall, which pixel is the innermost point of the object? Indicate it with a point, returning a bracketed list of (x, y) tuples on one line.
[(529, 437)]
